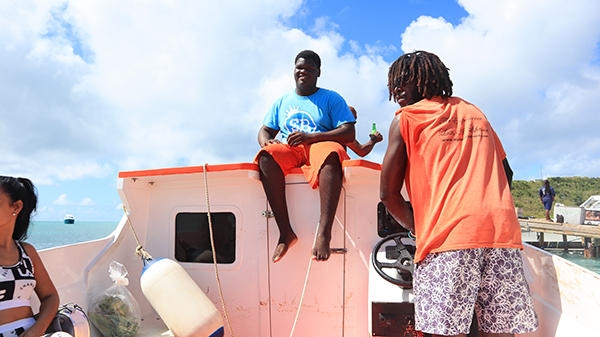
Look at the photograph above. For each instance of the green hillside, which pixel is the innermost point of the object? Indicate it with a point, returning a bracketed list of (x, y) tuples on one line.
[(571, 191)]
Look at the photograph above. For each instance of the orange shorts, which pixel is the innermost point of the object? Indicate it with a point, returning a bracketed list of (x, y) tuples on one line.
[(309, 158)]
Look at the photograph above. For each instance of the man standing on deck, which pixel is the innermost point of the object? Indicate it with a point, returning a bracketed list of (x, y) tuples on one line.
[(467, 234), (314, 122)]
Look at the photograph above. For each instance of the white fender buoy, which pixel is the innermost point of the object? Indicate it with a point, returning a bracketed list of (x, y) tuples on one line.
[(178, 300)]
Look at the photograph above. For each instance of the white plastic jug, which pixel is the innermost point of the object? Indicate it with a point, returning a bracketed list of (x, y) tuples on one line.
[(178, 300)]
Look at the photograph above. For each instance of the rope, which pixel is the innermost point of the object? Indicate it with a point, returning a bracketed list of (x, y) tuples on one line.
[(142, 253), (145, 255), (217, 271), (301, 298), (214, 250), (139, 250), (305, 284)]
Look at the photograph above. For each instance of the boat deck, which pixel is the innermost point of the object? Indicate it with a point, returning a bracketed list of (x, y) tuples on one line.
[(153, 325)]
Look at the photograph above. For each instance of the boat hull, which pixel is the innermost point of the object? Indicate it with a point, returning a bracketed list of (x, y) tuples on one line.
[(262, 298)]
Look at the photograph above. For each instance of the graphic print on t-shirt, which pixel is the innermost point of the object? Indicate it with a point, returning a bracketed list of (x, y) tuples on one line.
[(454, 129), (296, 120)]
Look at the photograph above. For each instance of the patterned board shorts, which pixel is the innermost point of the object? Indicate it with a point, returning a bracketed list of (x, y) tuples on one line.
[(448, 286)]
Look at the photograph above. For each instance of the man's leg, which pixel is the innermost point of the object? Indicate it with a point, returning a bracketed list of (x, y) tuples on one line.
[(330, 187), (273, 181)]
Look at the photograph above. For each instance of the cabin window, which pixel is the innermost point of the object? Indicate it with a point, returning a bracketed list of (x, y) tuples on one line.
[(192, 237)]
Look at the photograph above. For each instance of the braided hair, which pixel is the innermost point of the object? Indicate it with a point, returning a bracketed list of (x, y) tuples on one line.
[(20, 189), (429, 73)]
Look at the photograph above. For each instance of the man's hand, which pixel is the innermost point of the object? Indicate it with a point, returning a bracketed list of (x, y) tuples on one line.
[(298, 138), (271, 141), (376, 137)]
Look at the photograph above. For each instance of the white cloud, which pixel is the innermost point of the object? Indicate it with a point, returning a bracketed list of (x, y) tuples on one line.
[(87, 202), (63, 201), (188, 82), (533, 68)]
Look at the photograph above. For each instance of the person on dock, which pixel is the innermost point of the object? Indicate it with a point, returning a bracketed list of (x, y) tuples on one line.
[(22, 269), (547, 198), (366, 148), (314, 122), (468, 237)]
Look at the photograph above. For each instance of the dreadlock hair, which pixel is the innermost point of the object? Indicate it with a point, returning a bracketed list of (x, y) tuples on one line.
[(20, 189), (430, 75), (309, 55)]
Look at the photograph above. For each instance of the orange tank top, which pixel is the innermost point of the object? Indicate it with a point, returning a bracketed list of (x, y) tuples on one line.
[(455, 178)]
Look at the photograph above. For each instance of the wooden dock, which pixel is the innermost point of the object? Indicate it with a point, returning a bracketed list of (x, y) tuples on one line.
[(538, 225), (589, 233)]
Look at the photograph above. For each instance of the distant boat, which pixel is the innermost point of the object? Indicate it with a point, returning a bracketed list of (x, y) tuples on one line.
[(69, 219)]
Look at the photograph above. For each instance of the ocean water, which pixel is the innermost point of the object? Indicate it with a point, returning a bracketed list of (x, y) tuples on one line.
[(576, 256), (48, 234)]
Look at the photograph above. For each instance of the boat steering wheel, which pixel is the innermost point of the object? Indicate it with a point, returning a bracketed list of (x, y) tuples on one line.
[(404, 263)]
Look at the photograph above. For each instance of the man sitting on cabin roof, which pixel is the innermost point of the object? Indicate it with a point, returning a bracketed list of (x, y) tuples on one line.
[(314, 122)]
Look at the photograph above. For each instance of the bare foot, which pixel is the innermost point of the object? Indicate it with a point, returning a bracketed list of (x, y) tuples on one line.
[(321, 250), (284, 244)]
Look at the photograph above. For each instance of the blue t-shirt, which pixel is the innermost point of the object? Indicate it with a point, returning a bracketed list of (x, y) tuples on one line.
[(322, 111), (547, 196)]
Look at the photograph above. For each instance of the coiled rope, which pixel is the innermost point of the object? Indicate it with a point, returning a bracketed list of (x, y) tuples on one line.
[(214, 250)]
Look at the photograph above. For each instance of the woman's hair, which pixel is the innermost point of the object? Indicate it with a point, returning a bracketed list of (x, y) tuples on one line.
[(547, 185), (429, 73), (20, 189)]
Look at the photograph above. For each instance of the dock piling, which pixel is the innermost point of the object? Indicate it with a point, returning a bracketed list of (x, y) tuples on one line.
[(540, 237), (589, 249), (590, 234)]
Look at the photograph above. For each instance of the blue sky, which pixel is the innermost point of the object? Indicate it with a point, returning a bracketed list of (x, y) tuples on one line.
[(92, 88), (377, 23)]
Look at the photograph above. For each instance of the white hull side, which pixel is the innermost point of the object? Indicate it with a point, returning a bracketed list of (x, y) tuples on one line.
[(261, 297)]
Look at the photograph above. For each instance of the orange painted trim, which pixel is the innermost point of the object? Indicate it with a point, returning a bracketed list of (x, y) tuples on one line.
[(361, 163), (230, 167), (188, 170)]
